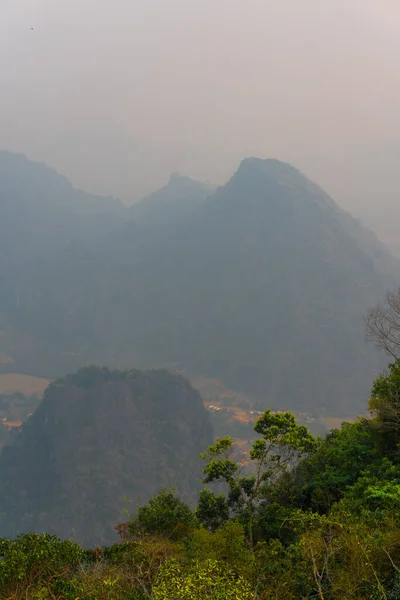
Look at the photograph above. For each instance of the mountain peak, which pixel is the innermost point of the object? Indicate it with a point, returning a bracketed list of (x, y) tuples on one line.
[(177, 178), (276, 181), (179, 187), (183, 181), (270, 167), (48, 189)]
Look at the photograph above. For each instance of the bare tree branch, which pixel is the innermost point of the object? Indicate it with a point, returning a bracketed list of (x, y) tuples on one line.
[(382, 324)]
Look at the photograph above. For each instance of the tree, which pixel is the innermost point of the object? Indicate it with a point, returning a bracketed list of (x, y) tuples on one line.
[(321, 479), (281, 444), (377, 489), (385, 405), (212, 510), (165, 515), (383, 324)]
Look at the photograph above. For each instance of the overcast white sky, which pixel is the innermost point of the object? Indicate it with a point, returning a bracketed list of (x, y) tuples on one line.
[(117, 93)]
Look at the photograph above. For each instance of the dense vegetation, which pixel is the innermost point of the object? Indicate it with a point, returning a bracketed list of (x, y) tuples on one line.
[(305, 517), (98, 437), (246, 285)]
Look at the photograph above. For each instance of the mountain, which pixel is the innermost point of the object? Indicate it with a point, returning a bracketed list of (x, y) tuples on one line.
[(368, 182), (45, 224), (108, 435), (175, 201), (261, 284), (41, 214), (25, 182), (266, 289)]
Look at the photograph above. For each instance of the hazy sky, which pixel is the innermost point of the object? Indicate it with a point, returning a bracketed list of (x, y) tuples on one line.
[(117, 93)]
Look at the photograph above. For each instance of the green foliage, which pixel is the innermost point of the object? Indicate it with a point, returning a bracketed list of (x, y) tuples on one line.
[(385, 405), (212, 510), (322, 478), (220, 467), (386, 387), (42, 562), (394, 590), (283, 442), (305, 518), (200, 581), (227, 545), (274, 521), (282, 435), (284, 572), (165, 515), (125, 571), (377, 488)]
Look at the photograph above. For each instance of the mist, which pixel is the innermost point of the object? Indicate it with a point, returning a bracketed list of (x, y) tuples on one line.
[(117, 95)]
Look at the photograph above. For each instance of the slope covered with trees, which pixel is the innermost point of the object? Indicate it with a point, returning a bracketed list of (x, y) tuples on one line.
[(98, 437), (312, 518)]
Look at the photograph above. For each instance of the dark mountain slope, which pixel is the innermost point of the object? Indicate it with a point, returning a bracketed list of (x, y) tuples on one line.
[(97, 437), (263, 285), (30, 182), (45, 225), (265, 288), (41, 213)]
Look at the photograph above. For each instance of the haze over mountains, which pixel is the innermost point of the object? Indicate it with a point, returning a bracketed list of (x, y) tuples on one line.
[(200, 307), (261, 283), (367, 183)]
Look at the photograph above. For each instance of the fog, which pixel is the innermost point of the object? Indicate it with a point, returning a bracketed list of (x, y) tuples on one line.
[(116, 95)]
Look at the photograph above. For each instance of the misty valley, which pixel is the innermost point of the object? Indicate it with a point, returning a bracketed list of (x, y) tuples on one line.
[(199, 392)]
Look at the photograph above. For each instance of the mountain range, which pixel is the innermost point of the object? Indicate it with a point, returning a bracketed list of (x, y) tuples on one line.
[(261, 283)]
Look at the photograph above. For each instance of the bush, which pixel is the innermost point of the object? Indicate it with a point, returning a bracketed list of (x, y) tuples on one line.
[(226, 546), (208, 580), (42, 563)]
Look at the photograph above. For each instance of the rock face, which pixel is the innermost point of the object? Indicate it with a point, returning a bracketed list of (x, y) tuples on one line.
[(99, 437)]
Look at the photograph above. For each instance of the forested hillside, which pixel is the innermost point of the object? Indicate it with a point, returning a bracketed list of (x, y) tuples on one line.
[(261, 284), (98, 437), (301, 518)]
